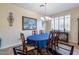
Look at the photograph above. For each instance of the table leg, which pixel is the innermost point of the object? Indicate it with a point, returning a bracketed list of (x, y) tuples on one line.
[(39, 51)]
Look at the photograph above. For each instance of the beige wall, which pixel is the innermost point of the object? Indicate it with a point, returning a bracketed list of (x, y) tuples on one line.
[(47, 26), (10, 35), (73, 35)]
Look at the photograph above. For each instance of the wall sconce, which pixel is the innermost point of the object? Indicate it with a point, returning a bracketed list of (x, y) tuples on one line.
[(10, 19)]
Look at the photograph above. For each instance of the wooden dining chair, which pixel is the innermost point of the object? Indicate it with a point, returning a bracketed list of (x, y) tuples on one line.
[(64, 49), (24, 48), (52, 41)]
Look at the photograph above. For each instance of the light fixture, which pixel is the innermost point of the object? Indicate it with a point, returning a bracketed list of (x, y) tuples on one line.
[(10, 19), (44, 16)]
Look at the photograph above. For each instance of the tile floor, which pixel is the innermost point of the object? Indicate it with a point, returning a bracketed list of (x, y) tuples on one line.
[(9, 51)]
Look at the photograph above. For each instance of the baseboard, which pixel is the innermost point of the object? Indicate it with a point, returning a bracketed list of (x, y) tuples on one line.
[(10, 45)]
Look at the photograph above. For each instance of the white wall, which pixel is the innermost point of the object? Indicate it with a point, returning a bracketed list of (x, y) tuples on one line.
[(10, 35), (73, 35)]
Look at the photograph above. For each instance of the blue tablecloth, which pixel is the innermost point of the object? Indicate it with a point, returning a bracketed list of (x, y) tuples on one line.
[(40, 40)]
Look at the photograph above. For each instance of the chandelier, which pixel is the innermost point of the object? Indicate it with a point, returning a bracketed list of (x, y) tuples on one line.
[(44, 16)]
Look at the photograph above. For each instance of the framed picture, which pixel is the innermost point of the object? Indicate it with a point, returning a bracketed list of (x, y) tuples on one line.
[(29, 23)]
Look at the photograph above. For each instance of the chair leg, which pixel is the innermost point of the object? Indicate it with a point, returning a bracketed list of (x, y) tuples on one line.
[(14, 50), (47, 50), (39, 51), (71, 52), (50, 50)]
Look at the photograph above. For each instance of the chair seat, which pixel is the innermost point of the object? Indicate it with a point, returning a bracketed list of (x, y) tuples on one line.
[(30, 47)]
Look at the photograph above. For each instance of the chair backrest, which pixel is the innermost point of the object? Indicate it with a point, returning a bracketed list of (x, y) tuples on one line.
[(63, 36), (56, 35), (53, 40), (23, 42), (50, 39), (22, 38), (34, 32), (41, 32), (50, 35)]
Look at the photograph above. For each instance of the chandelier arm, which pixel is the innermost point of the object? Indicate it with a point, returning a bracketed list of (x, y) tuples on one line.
[(45, 8)]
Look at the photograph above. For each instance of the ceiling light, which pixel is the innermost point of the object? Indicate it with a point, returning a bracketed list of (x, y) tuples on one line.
[(44, 17)]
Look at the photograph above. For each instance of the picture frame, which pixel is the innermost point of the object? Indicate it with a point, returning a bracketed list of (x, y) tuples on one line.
[(29, 23)]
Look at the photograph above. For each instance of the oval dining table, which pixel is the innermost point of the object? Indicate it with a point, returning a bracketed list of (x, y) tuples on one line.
[(40, 40)]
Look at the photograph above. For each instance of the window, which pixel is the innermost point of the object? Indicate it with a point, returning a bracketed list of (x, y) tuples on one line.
[(61, 23), (56, 23), (67, 23)]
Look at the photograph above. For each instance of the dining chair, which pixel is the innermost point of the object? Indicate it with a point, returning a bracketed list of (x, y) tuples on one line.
[(64, 49), (52, 41), (24, 48)]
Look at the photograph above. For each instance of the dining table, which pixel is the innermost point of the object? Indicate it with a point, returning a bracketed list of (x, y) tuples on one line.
[(39, 40)]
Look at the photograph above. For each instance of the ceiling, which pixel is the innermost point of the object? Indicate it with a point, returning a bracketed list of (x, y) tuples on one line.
[(51, 9)]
